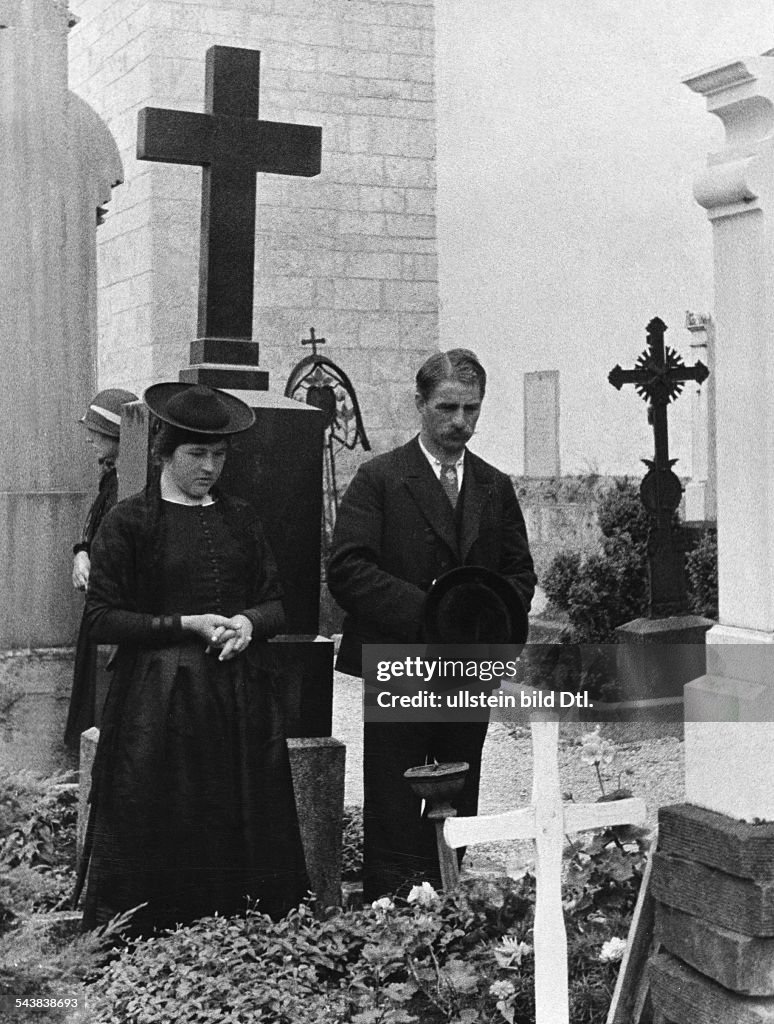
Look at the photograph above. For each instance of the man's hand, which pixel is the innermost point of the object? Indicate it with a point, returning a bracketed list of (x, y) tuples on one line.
[(81, 567)]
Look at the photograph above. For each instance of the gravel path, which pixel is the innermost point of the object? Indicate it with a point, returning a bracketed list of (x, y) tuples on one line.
[(652, 768)]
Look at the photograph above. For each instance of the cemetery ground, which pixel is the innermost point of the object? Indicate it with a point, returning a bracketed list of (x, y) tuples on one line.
[(462, 957)]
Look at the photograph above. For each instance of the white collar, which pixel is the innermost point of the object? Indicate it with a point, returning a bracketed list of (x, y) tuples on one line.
[(437, 462)]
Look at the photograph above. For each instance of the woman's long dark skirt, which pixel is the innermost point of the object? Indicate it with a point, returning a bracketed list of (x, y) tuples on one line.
[(194, 808)]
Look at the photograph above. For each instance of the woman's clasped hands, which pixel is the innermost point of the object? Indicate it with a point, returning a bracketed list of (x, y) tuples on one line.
[(230, 636)]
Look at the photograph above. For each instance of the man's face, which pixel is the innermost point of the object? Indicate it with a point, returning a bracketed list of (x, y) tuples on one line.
[(449, 417)]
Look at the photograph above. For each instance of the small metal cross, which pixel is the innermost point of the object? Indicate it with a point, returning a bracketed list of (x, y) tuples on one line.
[(311, 340)]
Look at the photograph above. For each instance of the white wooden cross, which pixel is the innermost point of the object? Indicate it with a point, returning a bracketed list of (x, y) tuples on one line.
[(546, 821)]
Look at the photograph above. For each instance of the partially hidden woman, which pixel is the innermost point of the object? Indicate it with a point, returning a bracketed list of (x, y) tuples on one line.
[(192, 800), (102, 423)]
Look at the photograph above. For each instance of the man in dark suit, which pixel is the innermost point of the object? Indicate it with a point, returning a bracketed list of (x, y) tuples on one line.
[(408, 517)]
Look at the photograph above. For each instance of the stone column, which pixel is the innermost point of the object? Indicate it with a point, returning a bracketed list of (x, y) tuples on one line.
[(713, 875), (57, 164), (701, 491), (728, 762)]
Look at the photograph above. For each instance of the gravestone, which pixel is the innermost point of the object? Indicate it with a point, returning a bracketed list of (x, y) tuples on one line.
[(714, 876), (700, 491), (656, 655), (58, 163), (541, 424)]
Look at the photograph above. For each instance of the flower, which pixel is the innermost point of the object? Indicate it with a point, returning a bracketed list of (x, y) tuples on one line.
[(501, 989), (510, 951), (423, 894), (595, 750), (612, 950), (383, 905)]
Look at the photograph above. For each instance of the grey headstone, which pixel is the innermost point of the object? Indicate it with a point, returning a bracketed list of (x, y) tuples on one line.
[(541, 424)]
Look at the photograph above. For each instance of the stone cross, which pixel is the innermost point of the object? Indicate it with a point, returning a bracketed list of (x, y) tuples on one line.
[(232, 145), (546, 821), (659, 377)]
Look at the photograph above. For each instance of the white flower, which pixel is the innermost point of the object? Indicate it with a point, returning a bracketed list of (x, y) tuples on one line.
[(383, 905), (612, 950), (510, 951), (501, 989), (424, 894), (595, 750)]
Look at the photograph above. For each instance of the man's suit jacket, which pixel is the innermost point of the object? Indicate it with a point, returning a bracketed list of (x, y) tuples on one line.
[(396, 532)]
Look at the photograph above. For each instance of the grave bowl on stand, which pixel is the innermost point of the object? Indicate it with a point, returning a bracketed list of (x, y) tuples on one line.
[(437, 783)]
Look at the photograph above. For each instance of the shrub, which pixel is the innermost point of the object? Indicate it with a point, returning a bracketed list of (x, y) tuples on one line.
[(606, 589), (701, 565), (560, 576), (37, 840)]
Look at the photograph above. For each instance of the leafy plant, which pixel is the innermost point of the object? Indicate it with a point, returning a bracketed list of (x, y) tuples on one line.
[(352, 844), (560, 577), (37, 840), (460, 957), (701, 565)]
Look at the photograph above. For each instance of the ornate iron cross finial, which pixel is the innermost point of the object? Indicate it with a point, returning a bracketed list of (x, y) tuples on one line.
[(311, 340), (317, 380), (659, 376)]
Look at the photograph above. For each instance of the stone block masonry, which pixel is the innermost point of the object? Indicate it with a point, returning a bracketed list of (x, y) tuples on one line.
[(351, 252), (713, 883)]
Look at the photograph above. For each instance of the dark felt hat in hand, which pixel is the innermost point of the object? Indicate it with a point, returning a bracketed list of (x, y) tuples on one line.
[(474, 605), (198, 408)]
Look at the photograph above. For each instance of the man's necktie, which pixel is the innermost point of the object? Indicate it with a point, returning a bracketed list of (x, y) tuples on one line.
[(449, 482)]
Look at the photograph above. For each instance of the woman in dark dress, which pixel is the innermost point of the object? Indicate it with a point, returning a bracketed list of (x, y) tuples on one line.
[(193, 807)]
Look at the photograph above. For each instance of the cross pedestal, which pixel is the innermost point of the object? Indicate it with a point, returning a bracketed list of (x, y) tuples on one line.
[(546, 821)]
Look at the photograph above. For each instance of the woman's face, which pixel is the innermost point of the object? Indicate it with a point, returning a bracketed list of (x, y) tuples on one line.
[(104, 446), (194, 468)]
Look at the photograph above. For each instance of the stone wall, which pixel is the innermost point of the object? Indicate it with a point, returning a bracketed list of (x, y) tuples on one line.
[(352, 252), (561, 514)]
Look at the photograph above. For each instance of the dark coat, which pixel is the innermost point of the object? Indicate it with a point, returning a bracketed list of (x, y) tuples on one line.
[(396, 532)]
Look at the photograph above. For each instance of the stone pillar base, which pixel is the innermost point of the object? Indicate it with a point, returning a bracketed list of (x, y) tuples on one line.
[(713, 883), (657, 657), (35, 689)]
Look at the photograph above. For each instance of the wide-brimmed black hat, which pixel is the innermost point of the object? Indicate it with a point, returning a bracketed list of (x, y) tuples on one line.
[(198, 408), (472, 604)]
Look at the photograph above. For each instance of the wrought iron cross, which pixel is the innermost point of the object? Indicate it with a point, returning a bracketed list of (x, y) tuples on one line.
[(232, 145), (659, 376), (313, 341)]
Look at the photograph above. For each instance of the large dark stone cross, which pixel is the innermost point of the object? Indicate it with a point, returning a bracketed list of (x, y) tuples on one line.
[(231, 145), (659, 376)]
